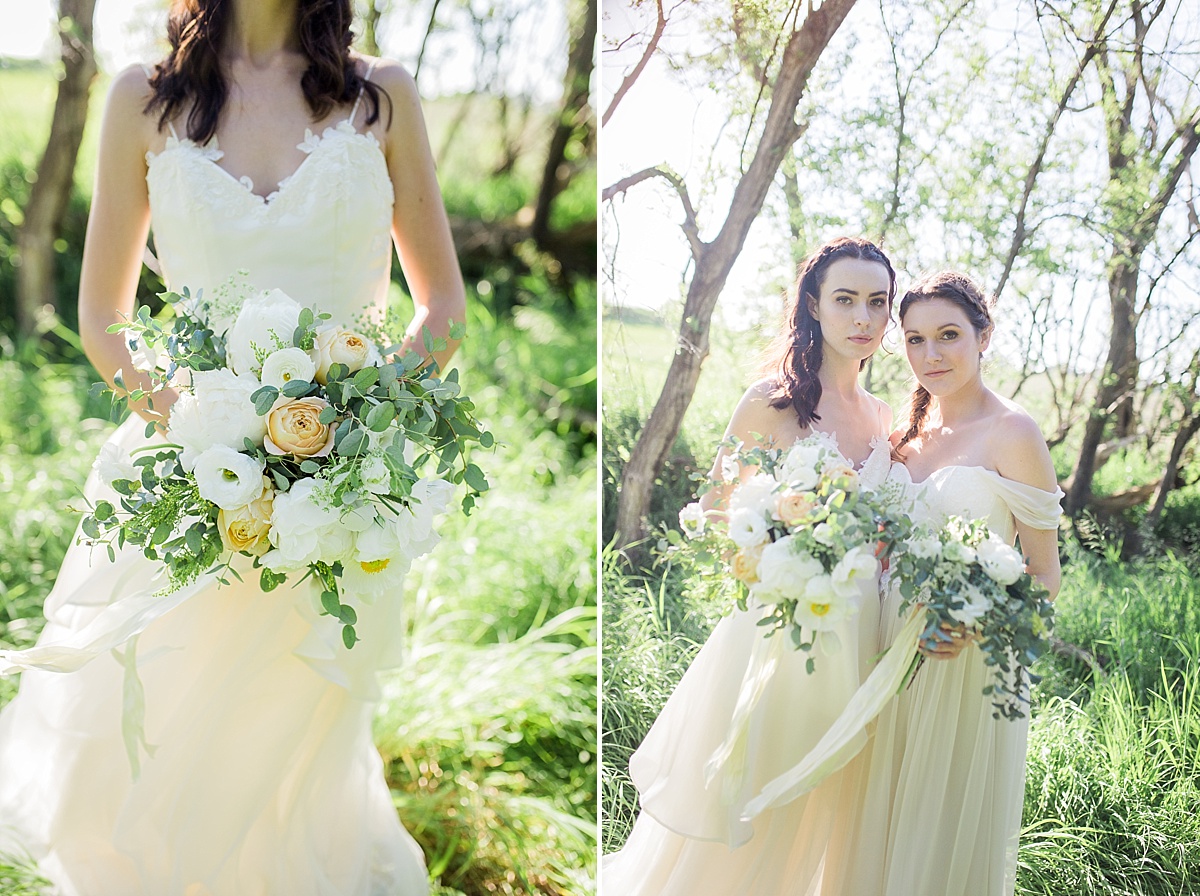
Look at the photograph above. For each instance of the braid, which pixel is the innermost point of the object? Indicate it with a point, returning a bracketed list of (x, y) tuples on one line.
[(793, 361), (918, 410)]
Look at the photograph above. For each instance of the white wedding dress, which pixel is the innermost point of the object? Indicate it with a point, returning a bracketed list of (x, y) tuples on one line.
[(946, 781), (258, 776), (698, 831)]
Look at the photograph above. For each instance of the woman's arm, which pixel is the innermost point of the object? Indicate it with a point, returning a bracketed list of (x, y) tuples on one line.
[(753, 421), (1026, 459), (116, 236), (419, 225)]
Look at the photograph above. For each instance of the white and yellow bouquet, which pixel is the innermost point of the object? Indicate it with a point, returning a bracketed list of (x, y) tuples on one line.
[(964, 578), (295, 441), (801, 535)]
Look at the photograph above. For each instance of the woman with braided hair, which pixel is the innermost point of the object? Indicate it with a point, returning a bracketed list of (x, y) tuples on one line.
[(946, 779), (693, 836)]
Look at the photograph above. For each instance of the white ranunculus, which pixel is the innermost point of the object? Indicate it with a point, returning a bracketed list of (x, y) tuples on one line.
[(114, 464), (692, 520), (801, 467), (287, 364), (849, 573), (975, 606), (1000, 561), (304, 530), (375, 475), (218, 411), (228, 478), (747, 527), (266, 323), (783, 567), (754, 494)]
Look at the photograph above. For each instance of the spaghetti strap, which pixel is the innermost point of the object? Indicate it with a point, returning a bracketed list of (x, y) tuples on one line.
[(358, 99)]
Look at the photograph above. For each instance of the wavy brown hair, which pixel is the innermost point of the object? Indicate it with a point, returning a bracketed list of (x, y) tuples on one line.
[(193, 77), (961, 291), (793, 360)]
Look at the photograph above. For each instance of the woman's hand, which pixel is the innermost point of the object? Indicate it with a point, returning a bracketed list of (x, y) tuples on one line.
[(947, 644)]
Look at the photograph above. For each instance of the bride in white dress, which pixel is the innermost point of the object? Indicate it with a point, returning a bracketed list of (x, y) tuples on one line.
[(259, 145), (693, 835), (947, 780)]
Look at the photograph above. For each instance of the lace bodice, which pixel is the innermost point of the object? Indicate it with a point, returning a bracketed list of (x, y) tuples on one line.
[(322, 236)]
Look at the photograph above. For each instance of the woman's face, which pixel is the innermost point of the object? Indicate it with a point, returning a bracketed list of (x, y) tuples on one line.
[(853, 308), (943, 348)]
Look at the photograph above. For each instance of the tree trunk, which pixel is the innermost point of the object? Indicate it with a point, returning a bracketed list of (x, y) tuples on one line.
[(573, 114), (713, 262), (1187, 430), (371, 14), (36, 281)]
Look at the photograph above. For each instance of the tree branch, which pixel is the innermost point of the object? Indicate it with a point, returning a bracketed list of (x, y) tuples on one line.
[(659, 26), (691, 228)]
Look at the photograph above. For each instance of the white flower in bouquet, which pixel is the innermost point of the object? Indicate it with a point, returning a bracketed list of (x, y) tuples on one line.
[(378, 564), (692, 520), (1002, 562), (783, 566), (975, 605), (218, 411), (821, 608), (957, 552), (824, 533), (755, 493), (730, 468), (305, 530), (144, 357), (857, 566), (926, 547), (114, 464), (228, 478), (415, 524), (747, 527), (375, 475), (337, 345), (266, 323), (287, 364), (801, 467)]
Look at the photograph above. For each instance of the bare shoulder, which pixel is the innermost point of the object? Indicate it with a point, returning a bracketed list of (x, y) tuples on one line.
[(754, 416), (395, 79), (126, 121), (1020, 450)]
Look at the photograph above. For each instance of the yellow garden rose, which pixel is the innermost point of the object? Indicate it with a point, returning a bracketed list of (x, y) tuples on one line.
[(337, 345), (294, 427), (745, 564), (246, 528), (792, 506)]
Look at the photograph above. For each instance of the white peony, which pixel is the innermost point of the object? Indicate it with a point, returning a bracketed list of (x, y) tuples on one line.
[(783, 567), (747, 527), (304, 530), (228, 478), (266, 323), (975, 606), (801, 467), (287, 364), (218, 411), (375, 475), (692, 520), (1000, 561), (856, 567)]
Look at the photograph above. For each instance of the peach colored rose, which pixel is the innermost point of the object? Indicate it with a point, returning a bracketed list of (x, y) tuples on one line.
[(745, 564), (294, 427), (337, 345), (792, 506), (246, 528), (843, 477)]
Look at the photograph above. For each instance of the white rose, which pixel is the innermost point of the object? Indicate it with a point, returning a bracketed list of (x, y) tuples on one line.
[(692, 520), (747, 527), (266, 323), (287, 364), (228, 478), (1000, 561), (801, 466), (304, 530), (975, 606), (856, 567), (783, 567), (218, 411), (375, 475)]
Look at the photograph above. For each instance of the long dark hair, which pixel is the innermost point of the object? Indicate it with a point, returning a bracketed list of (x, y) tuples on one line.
[(961, 291), (192, 72), (793, 360)]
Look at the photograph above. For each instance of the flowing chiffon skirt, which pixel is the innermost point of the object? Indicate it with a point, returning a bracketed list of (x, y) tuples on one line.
[(259, 775)]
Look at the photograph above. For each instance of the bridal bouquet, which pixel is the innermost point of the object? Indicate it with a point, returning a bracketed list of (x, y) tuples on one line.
[(964, 576), (802, 535), (295, 441)]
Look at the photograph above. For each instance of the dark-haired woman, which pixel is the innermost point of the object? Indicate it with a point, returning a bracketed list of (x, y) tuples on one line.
[(693, 836), (947, 779), (246, 766)]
